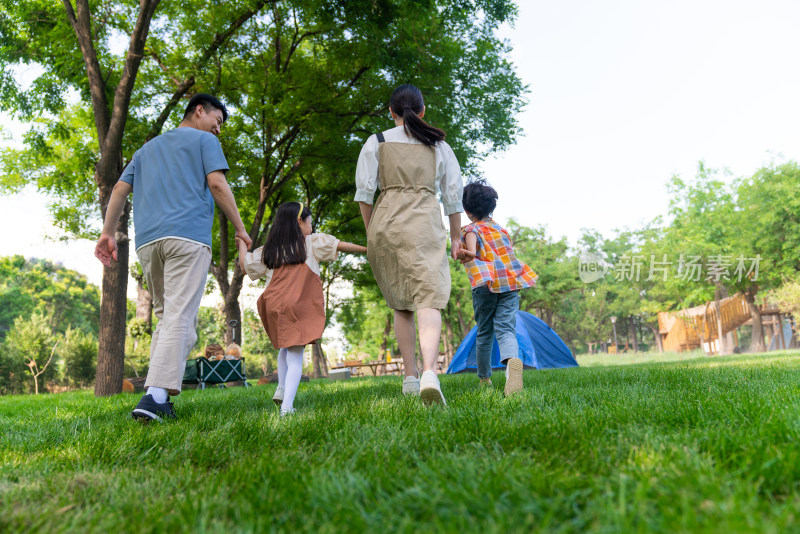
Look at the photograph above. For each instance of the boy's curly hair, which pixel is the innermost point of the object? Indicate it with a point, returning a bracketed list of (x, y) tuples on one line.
[(479, 198)]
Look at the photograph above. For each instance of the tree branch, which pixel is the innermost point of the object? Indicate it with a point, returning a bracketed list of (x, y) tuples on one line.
[(81, 24), (122, 94), (176, 97), (189, 82), (153, 54)]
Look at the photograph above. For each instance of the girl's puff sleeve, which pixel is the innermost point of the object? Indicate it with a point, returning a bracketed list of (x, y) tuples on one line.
[(253, 265), (367, 171), (323, 247)]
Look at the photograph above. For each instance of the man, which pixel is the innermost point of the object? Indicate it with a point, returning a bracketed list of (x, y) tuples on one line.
[(175, 179)]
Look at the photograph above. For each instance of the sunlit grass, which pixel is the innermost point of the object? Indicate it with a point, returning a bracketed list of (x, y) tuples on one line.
[(691, 444)]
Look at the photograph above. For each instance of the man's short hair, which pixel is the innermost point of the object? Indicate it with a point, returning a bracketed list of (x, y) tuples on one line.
[(208, 102)]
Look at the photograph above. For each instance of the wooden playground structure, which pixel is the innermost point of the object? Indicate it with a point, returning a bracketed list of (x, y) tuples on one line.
[(703, 326)]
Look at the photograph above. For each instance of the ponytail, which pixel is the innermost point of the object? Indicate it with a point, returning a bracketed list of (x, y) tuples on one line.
[(406, 102)]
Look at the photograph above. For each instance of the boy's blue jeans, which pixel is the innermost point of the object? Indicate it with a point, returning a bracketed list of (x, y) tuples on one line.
[(496, 316)]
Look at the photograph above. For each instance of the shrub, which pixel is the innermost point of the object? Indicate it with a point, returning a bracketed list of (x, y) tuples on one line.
[(78, 353)]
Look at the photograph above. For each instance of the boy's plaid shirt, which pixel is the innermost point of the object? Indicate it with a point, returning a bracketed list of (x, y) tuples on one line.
[(495, 263)]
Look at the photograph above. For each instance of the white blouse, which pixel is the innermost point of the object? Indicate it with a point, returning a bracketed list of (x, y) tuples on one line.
[(319, 247), (448, 181)]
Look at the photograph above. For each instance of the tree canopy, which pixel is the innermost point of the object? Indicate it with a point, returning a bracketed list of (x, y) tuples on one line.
[(64, 297)]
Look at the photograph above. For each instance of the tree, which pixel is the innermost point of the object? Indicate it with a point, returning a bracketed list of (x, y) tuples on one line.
[(769, 224), (703, 218), (550, 260), (39, 31), (767, 228), (31, 345), (63, 296)]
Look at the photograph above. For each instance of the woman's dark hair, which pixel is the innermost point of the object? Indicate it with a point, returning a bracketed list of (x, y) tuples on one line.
[(479, 198), (406, 102), (208, 102), (286, 244)]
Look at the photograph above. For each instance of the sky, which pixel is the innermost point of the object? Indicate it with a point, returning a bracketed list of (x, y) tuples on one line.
[(623, 95)]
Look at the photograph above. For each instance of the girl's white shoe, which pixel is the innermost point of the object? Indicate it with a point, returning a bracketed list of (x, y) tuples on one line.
[(278, 397)]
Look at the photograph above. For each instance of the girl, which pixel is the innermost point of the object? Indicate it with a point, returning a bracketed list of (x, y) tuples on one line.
[(292, 307), (496, 276), (411, 164)]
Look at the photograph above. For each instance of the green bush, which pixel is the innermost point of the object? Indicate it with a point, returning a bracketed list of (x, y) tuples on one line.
[(78, 352)]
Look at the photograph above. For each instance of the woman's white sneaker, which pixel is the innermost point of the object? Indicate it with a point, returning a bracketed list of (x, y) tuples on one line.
[(430, 390), (411, 385)]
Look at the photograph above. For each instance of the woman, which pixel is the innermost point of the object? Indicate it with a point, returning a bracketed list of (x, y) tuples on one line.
[(407, 242)]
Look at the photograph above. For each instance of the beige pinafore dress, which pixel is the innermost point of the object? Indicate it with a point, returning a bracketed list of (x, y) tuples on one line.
[(406, 240)]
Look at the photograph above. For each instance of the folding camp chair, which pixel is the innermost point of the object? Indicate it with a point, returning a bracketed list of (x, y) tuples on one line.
[(203, 371)]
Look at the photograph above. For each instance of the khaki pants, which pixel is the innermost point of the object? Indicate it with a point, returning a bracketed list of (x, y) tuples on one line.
[(176, 272)]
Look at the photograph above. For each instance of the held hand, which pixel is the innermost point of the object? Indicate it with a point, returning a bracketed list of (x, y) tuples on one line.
[(106, 249), (466, 255), (455, 248), (241, 234)]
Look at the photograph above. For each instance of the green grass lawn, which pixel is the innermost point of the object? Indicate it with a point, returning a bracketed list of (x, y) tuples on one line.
[(704, 444)]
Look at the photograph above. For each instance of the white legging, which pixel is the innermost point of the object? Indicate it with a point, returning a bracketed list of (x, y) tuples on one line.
[(290, 369)]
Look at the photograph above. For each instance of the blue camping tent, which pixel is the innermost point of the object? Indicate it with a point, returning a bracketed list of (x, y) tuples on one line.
[(539, 348)]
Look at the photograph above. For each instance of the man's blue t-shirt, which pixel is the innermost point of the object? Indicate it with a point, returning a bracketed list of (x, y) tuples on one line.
[(171, 197)]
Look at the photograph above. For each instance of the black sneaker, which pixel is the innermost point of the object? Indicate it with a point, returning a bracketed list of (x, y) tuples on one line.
[(149, 410)]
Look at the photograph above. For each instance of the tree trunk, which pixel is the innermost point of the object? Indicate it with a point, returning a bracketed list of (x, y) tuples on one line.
[(113, 312), (548, 314), (730, 339), (632, 322), (721, 340), (757, 343), (318, 357), (229, 289), (233, 334), (657, 336), (780, 331)]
